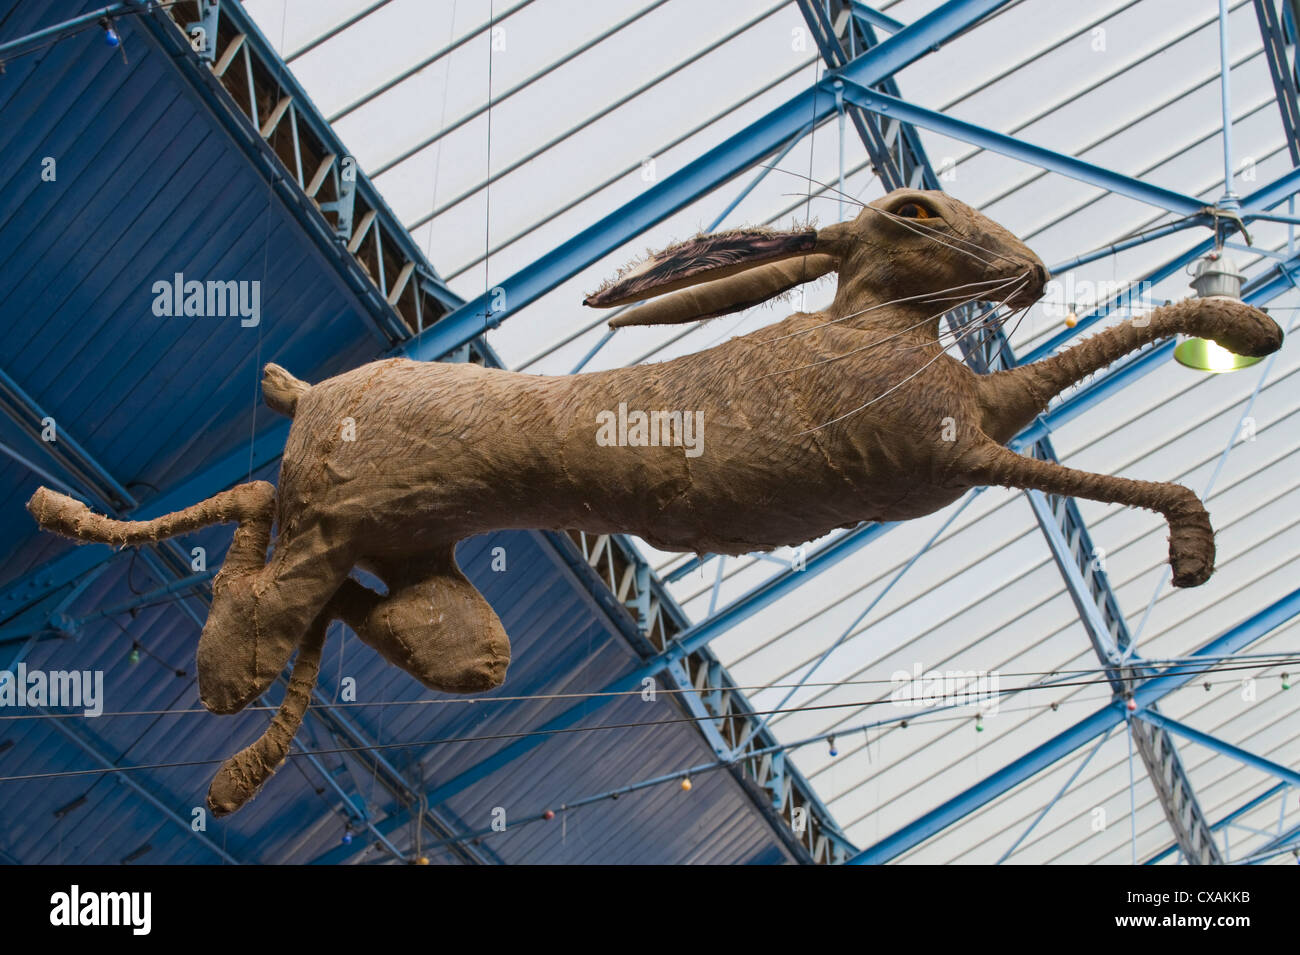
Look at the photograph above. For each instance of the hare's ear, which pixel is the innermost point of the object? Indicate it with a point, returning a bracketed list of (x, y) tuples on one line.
[(702, 259), (733, 294)]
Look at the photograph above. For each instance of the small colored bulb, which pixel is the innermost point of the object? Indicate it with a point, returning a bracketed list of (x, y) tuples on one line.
[(133, 657), (1071, 319), (347, 838), (979, 724), (834, 752), (1286, 681), (1132, 705), (110, 37), (686, 785), (548, 815), (423, 860)]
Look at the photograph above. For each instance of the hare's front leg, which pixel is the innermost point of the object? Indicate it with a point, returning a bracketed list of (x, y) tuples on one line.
[(242, 775), (1011, 399), (1191, 538)]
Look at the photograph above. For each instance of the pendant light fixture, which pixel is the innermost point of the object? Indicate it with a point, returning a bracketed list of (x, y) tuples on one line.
[(1215, 276)]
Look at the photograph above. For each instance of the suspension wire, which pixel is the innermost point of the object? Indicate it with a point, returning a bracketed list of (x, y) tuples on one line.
[(497, 737), (1172, 668)]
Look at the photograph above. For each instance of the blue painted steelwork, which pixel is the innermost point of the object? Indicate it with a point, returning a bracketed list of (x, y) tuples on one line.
[(1148, 692), (1083, 764), (1125, 244), (163, 807), (1282, 842), (1258, 291), (894, 151), (29, 41), (1227, 820), (1221, 746), (745, 835), (1087, 172), (746, 148), (1277, 37), (1261, 200), (875, 18)]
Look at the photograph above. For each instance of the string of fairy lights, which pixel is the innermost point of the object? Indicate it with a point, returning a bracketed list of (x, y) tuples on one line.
[(938, 712)]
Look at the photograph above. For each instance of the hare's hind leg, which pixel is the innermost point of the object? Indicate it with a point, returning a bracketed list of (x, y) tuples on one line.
[(433, 624), (260, 610)]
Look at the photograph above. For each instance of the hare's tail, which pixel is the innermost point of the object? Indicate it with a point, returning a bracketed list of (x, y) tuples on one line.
[(245, 503)]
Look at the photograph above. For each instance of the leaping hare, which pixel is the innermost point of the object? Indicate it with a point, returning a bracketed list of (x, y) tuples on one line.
[(855, 413)]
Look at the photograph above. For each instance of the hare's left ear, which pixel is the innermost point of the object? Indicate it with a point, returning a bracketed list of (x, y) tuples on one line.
[(733, 270)]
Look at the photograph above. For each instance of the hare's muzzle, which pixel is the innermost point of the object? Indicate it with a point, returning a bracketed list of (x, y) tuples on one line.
[(1033, 289)]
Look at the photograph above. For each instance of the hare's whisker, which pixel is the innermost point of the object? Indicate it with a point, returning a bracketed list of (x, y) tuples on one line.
[(939, 354), (929, 234), (920, 226), (854, 351), (818, 182), (924, 296)]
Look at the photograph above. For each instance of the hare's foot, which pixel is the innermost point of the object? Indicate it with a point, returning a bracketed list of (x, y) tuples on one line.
[(1238, 327)]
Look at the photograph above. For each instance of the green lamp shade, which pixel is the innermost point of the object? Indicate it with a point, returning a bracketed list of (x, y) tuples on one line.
[(1204, 355)]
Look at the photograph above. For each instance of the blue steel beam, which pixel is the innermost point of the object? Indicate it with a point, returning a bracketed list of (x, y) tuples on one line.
[(1258, 291), (147, 795), (18, 45), (1284, 841), (894, 151), (1145, 694), (1261, 200), (681, 647), (1274, 33), (1227, 820), (1222, 746), (718, 165), (875, 18), (1099, 610), (1060, 521), (895, 108)]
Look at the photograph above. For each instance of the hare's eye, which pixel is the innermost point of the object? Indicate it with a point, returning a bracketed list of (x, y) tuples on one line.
[(913, 210)]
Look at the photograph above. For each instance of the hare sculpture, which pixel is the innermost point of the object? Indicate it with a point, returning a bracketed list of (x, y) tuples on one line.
[(823, 420)]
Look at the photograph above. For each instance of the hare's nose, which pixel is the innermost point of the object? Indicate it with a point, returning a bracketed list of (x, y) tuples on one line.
[(1041, 275)]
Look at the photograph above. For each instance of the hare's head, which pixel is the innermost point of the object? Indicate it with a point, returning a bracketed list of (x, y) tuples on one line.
[(911, 242), (907, 244)]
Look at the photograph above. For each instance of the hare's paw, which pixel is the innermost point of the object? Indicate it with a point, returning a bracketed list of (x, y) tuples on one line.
[(1240, 328), (1191, 544)]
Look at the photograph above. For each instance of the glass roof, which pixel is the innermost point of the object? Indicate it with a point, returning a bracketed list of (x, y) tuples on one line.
[(496, 146)]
